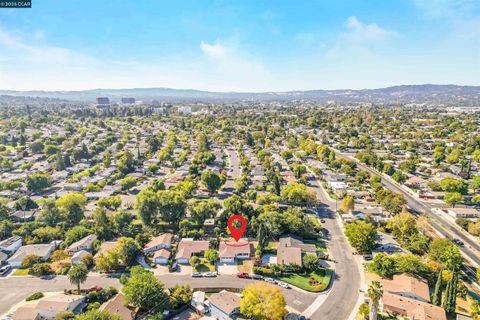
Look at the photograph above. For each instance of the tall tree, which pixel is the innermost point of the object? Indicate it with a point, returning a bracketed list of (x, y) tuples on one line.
[(77, 275), (375, 293), (437, 294), (263, 301)]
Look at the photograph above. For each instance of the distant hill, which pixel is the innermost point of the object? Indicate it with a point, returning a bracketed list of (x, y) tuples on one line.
[(427, 93)]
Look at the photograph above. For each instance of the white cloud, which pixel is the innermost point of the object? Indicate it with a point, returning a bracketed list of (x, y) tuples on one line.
[(360, 31), (215, 50)]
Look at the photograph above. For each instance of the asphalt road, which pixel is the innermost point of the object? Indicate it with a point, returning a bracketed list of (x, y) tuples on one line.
[(16, 289), (442, 225), (345, 290)]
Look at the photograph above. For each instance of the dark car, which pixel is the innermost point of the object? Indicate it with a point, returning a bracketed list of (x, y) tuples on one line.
[(458, 242), (4, 270)]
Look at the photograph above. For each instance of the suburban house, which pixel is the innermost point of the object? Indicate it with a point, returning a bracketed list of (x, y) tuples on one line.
[(161, 256), (409, 296), (11, 244), (223, 305), (23, 215), (189, 247), (290, 250), (85, 244), (229, 250), (42, 250), (47, 308), (464, 213), (116, 306), (106, 246), (163, 241), (77, 257)]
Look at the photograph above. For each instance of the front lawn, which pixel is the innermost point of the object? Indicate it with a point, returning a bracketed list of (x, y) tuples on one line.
[(204, 266), (314, 282), (20, 272)]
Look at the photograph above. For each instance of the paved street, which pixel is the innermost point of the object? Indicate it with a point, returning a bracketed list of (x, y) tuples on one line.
[(345, 290), (15, 289)]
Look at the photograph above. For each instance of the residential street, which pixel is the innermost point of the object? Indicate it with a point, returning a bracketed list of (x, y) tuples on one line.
[(345, 290), (24, 286)]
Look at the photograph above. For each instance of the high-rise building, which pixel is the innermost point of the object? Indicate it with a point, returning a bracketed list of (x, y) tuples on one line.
[(103, 102), (128, 100)]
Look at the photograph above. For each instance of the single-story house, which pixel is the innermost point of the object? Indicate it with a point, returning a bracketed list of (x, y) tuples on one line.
[(47, 308), (11, 244), (409, 296), (85, 244), (23, 216), (42, 250), (106, 246), (471, 213), (161, 256), (290, 250), (230, 250), (78, 256), (223, 305), (189, 247), (116, 306), (163, 241)]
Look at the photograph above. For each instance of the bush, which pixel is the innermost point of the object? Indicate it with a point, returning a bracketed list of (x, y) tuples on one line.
[(30, 260), (40, 269), (263, 271), (34, 296)]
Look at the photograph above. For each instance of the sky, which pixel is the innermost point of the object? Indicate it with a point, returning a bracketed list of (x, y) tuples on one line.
[(242, 45)]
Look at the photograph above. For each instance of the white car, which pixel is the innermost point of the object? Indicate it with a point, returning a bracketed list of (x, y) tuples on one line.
[(209, 274), (283, 285), (270, 280)]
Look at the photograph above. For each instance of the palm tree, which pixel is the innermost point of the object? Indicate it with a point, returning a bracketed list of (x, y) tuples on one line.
[(78, 274), (375, 293)]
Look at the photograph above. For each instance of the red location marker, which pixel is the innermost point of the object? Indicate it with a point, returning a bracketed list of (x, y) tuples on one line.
[(237, 233)]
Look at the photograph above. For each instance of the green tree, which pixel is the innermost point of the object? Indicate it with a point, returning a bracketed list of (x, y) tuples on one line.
[(37, 181), (361, 235), (97, 315), (375, 293), (348, 204), (40, 269), (50, 214), (299, 194), (452, 198), (147, 205), (128, 249), (311, 262), (143, 290), (72, 205), (172, 206), (108, 262), (180, 296), (445, 252), (212, 181), (77, 275), (383, 265), (437, 294), (211, 255), (263, 301), (31, 260)]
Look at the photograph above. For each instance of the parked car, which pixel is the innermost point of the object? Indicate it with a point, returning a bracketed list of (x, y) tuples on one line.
[(367, 257), (257, 277), (271, 280), (174, 267), (96, 289), (283, 285), (197, 275), (322, 220), (209, 274), (243, 275), (4, 270)]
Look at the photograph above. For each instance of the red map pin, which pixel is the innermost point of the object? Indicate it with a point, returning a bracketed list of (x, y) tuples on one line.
[(237, 233)]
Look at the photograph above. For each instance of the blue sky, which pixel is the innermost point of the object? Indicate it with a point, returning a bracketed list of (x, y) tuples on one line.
[(243, 45)]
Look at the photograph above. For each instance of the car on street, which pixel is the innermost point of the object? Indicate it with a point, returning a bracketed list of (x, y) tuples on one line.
[(257, 277), (271, 280), (283, 285), (458, 242), (243, 275), (4, 270), (367, 257), (197, 275), (209, 274)]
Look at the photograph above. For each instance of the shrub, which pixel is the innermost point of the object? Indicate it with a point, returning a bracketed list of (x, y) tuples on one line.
[(30, 260), (40, 269), (34, 296)]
